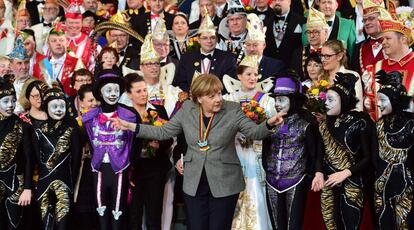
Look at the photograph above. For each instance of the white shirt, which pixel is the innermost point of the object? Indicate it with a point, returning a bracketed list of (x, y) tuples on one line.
[(206, 63), (57, 67), (18, 85), (332, 19)]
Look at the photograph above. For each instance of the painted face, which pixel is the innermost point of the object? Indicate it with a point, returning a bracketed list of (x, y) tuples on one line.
[(282, 104), (7, 105), (384, 104), (56, 109), (333, 103), (110, 93)]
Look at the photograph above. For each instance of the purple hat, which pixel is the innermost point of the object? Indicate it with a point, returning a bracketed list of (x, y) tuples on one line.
[(286, 86)]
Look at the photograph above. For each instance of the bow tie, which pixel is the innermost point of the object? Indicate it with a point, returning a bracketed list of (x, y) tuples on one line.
[(280, 18), (318, 50), (155, 16), (122, 53), (133, 11), (47, 24), (235, 38), (376, 45), (103, 118), (206, 56), (57, 61), (329, 23)]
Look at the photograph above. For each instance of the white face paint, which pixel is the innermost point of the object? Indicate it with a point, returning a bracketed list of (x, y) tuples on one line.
[(7, 105), (384, 104), (56, 109), (333, 103), (282, 104), (110, 93)]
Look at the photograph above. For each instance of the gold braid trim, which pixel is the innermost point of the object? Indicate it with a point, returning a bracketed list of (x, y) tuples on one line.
[(327, 206), (403, 207), (62, 192), (16, 195), (354, 193), (10, 144), (335, 154), (62, 146), (244, 215)]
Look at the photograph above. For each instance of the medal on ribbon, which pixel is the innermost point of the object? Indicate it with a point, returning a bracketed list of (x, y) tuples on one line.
[(203, 142)]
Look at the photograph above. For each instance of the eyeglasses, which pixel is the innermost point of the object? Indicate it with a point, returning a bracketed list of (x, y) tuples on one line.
[(49, 8), (369, 19), (327, 56), (313, 32)]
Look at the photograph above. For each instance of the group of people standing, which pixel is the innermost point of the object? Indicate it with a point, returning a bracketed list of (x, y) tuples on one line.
[(113, 112)]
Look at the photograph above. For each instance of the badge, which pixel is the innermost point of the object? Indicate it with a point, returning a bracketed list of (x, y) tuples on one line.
[(196, 63)]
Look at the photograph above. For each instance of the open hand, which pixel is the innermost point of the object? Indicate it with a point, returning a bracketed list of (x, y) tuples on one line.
[(119, 124), (25, 197)]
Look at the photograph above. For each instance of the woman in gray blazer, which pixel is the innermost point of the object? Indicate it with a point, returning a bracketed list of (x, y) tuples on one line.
[(213, 176)]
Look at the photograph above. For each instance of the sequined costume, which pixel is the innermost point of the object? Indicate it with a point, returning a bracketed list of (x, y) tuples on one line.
[(290, 158), (110, 158), (251, 209), (345, 140), (394, 184), (15, 168)]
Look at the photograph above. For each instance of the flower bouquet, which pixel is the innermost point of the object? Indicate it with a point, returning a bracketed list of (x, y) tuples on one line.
[(151, 119), (256, 114), (193, 44), (317, 97)]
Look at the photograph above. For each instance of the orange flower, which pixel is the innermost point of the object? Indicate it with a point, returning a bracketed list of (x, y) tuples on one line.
[(153, 113), (250, 114), (253, 103)]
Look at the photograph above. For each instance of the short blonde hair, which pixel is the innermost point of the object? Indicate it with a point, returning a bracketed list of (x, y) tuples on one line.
[(205, 84)]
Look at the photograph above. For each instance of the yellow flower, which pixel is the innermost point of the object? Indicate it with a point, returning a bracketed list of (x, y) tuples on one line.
[(253, 103), (324, 83), (259, 109), (157, 123), (315, 92)]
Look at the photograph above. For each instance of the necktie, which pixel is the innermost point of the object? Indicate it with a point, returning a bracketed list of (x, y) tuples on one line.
[(206, 56), (280, 18), (103, 118)]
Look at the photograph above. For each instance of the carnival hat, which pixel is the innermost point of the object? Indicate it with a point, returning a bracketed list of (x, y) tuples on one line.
[(119, 21), (372, 6), (206, 25), (316, 19), (235, 7), (107, 76), (18, 51), (160, 31), (52, 94), (250, 61), (287, 84), (148, 53), (392, 86), (255, 29), (389, 21)]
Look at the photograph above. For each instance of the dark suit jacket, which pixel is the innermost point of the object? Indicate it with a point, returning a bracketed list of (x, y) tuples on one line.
[(131, 59), (143, 23), (290, 39), (160, 163), (269, 66), (223, 63)]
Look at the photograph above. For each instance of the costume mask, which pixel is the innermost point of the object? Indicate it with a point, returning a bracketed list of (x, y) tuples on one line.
[(282, 104), (110, 93), (56, 109), (333, 103), (7, 105), (384, 104)]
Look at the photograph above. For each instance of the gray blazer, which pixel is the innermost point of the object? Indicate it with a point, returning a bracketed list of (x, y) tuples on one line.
[(222, 166)]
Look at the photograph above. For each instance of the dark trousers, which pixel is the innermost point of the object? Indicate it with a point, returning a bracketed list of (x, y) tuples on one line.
[(107, 188), (204, 212), (147, 195)]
